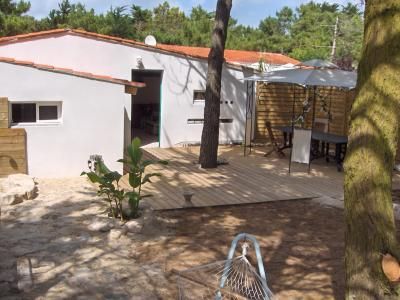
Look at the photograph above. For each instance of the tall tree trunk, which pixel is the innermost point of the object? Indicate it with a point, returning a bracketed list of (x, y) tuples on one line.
[(370, 228), (210, 134)]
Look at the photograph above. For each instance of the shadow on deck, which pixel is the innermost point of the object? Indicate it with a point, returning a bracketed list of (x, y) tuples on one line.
[(244, 180)]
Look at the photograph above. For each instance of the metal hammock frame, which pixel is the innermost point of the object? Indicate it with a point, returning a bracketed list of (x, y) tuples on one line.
[(235, 277)]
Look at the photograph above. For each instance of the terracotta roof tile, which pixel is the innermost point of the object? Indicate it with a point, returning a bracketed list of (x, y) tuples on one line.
[(31, 35), (24, 62), (231, 56), (7, 59), (66, 70), (42, 66), (71, 72), (234, 56)]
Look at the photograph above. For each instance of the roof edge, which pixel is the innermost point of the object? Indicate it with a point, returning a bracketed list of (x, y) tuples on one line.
[(72, 72), (112, 39)]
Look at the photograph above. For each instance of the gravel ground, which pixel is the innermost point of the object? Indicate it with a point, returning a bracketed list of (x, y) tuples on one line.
[(50, 248)]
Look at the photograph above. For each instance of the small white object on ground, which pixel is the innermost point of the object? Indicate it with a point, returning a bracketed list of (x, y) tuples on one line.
[(101, 224), (134, 226), (115, 234), (24, 272)]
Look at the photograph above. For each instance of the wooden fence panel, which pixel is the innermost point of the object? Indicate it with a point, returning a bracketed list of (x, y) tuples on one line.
[(12, 151), (275, 104), (4, 119)]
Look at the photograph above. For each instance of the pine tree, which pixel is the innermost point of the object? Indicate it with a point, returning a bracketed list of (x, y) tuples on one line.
[(210, 134), (375, 118)]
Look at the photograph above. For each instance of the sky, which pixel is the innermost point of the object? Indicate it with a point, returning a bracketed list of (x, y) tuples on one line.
[(248, 12)]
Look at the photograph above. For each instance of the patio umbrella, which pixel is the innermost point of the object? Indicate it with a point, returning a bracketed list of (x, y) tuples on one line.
[(309, 77), (323, 74), (318, 63)]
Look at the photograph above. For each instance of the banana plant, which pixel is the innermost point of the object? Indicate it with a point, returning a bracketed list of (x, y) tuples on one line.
[(108, 182), (136, 175)]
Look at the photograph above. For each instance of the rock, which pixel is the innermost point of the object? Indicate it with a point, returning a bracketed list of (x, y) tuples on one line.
[(24, 272), (134, 226), (16, 188), (101, 224), (115, 234)]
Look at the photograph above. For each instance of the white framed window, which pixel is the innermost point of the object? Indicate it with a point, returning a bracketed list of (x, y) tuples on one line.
[(25, 113), (201, 121), (199, 96)]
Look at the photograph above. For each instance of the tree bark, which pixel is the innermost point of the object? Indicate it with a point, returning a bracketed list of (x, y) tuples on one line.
[(210, 134), (370, 228)]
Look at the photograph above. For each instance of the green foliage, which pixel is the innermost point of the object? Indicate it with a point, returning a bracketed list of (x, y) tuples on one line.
[(312, 31), (9, 7), (12, 20), (108, 181), (303, 33), (136, 175), (141, 19)]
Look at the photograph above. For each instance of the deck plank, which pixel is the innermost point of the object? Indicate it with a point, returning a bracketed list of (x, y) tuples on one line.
[(249, 179)]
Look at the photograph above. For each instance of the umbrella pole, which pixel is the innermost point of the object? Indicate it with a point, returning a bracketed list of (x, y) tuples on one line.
[(312, 123), (249, 111), (329, 110), (252, 96), (245, 121), (292, 121)]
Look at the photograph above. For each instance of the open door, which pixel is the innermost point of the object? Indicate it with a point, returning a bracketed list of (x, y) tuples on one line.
[(146, 107)]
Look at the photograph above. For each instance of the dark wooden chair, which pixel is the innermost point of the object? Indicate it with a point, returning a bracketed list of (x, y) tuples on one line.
[(275, 145)]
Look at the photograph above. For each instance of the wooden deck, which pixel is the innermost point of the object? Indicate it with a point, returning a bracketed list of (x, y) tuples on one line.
[(244, 180)]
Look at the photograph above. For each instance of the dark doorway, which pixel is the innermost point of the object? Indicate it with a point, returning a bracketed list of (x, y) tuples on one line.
[(146, 107)]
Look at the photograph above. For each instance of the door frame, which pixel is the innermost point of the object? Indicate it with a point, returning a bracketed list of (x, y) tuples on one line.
[(137, 75)]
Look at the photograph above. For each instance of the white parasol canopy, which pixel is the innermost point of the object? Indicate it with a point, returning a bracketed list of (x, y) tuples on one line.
[(309, 77), (318, 63)]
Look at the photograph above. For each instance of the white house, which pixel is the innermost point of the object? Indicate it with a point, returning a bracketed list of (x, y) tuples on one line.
[(94, 114), (67, 115)]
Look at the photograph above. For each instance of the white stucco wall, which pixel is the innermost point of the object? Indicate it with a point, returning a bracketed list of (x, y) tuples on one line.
[(181, 76), (92, 119)]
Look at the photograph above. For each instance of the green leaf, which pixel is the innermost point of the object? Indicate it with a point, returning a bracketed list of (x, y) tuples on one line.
[(125, 161), (147, 177), (93, 177), (102, 167), (133, 199), (134, 180), (113, 176), (135, 153), (146, 163)]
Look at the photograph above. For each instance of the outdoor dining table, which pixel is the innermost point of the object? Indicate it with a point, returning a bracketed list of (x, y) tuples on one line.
[(317, 137)]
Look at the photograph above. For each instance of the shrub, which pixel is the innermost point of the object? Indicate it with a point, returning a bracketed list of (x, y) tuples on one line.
[(108, 181), (136, 175)]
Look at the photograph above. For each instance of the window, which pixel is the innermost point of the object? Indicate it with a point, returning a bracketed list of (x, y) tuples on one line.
[(201, 121), (199, 96), (23, 112), (48, 112), (39, 112), (195, 121)]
